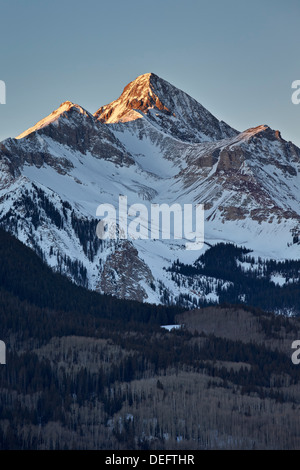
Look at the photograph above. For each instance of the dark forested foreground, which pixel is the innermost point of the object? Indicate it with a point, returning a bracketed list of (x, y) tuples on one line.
[(85, 371)]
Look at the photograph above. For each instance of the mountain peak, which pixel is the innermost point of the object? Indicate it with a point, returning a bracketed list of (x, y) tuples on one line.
[(172, 110), (65, 107), (262, 131), (138, 96)]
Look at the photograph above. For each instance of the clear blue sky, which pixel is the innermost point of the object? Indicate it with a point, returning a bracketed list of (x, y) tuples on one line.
[(237, 58)]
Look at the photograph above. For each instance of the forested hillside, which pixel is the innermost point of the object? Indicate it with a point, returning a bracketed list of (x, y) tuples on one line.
[(85, 371), (234, 275)]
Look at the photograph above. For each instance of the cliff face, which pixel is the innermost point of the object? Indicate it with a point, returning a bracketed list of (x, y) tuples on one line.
[(124, 274)]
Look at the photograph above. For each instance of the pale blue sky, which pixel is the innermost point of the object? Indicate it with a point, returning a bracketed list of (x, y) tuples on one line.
[(237, 58)]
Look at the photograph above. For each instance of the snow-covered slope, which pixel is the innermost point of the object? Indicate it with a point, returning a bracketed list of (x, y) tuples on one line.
[(154, 144)]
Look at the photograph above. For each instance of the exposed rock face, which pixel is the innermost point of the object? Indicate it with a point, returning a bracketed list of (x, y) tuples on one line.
[(164, 105), (70, 126), (32, 153), (249, 169), (230, 159), (124, 272), (138, 95)]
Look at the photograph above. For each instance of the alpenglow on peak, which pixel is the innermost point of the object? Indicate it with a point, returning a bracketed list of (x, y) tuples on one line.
[(161, 103)]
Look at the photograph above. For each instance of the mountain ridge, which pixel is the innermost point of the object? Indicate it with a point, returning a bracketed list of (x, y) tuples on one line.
[(55, 174), (164, 104)]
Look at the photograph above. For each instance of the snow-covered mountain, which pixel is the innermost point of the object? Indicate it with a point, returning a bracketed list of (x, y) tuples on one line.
[(167, 108), (154, 144)]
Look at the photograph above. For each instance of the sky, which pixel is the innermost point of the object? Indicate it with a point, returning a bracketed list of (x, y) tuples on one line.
[(237, 58)]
